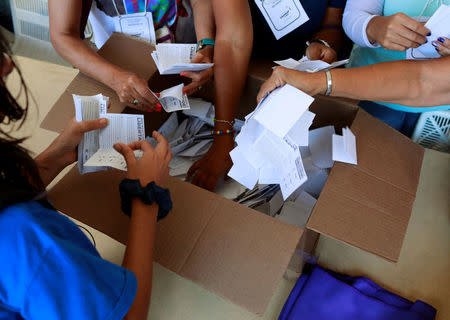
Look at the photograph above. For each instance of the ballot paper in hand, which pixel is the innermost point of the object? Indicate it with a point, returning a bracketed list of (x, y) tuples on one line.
[(306, 65), (299, 133), (344, 147), (124, 128), (174, 58), (439, 25), (89, 108), (281, 109), (173, 99)]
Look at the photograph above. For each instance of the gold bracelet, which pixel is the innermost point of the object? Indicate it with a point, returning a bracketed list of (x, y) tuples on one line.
[(231, 123)]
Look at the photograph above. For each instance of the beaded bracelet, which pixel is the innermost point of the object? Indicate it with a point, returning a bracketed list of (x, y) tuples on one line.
[(220, 132)]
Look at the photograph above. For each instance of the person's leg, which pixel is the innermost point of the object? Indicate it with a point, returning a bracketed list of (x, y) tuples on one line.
[(391, 117)]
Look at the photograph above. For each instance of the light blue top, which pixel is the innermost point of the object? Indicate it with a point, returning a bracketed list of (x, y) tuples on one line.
[(49, 270), (362, 56)]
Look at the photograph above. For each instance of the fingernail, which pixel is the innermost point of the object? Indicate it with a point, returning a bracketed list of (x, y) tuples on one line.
[(159, 105), (429, 34), (157, 94), (117, 147), (183, 74), (103, 121), (437, 49), (441, 40), (184, 91), (435, 44)]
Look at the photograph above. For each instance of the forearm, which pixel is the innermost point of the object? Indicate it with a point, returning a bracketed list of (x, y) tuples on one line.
[(76, 51), (139, 255), (331, 30), (234, 39), (203, 19), (48, 166), (411, 83)]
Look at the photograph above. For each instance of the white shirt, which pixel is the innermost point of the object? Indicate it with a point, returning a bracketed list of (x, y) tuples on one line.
[(357, 15)]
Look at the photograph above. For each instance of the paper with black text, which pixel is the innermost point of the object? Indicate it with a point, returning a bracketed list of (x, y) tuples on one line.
[(89, 108), (174, 58), (282, 16), (173, 99), (344, 147), (124, 128)]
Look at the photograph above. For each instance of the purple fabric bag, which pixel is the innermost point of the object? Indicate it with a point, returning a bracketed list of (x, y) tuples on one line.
[(325, 295)]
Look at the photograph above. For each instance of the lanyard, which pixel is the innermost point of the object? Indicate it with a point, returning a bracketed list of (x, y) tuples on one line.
[(125, 6)]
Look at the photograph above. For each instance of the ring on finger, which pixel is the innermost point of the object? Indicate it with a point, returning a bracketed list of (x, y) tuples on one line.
[(135, 101), (199, 88)]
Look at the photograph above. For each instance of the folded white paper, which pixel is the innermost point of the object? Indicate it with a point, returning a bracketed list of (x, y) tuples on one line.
[(299, 133), (306, 65), (344, 147), (174, 58), (320, 146), (173, 99), (242, 171), (439, 25), (281, 109)]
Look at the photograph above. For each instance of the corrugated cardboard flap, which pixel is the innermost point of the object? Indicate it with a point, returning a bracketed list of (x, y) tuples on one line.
[(234, 251), (369, 205)]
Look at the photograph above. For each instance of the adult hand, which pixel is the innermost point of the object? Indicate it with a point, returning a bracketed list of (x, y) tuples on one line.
[(130, 88), (214, 165), (154, 163), (318, 51), (396, 32), (201, 77), (310, 83), (442, 45)]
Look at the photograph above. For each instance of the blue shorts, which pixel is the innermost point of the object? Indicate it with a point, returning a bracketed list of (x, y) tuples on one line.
[(402, 121)]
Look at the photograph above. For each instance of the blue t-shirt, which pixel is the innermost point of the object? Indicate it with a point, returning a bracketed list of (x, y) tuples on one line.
[(50, 270), (292, 45)]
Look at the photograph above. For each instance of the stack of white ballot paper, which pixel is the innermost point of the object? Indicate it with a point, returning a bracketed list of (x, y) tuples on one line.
[(439, 26), (173, 99), (306, 65), (275, 145), (95, 151), (174, 58)]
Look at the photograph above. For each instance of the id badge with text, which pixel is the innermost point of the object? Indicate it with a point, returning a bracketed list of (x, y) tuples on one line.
[(139, 25), (282, 16)]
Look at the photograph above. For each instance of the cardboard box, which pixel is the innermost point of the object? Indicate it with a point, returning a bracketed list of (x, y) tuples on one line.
[(232, 250)]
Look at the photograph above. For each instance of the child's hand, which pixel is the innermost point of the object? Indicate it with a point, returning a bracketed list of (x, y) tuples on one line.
[(153, 166)]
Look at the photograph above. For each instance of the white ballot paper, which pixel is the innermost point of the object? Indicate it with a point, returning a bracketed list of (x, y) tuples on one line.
[(299, 133), (282, 16), (344, 147), (297, 212), (439, 25), (306, 65), (173, 99), (124, 128), (89, 108), (320, 146), (174, 58), (281, 109), (138, 25)]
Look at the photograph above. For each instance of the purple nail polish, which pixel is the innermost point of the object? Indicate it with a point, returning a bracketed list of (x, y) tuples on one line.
[(435, 44), (441, 40), (429, 34), (437, 49)]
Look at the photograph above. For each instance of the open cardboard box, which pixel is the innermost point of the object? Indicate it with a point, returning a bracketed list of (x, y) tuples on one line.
[(234, 251)]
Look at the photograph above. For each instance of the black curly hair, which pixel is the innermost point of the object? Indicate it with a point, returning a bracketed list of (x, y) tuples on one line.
[(19, 175)]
